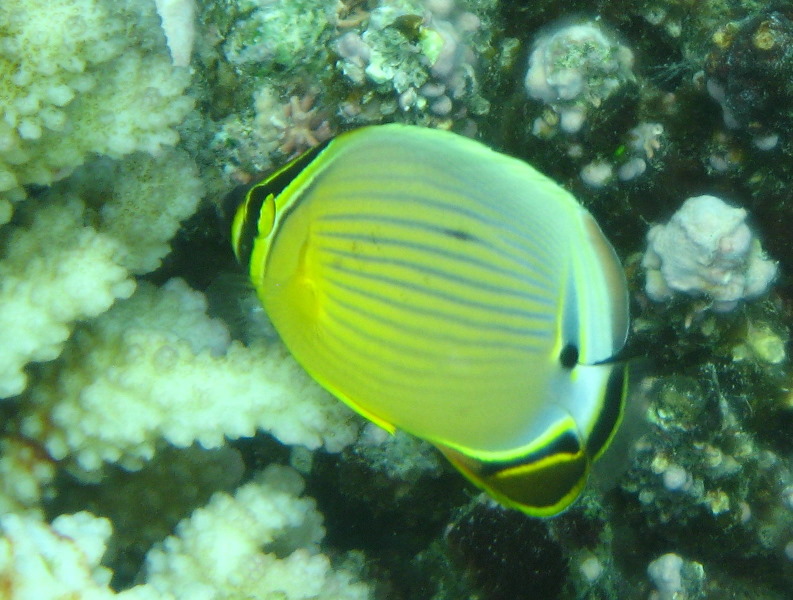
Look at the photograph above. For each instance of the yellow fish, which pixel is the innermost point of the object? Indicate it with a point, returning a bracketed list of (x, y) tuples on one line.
[(445, 289)]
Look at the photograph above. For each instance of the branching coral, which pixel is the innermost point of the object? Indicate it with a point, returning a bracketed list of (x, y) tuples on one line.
[(25, 471), (74, 83), (57, 270), (141, 202), (178, 23), (279, 129), (156, 367), (261, 543), (275, 553), (58, 561), (54, 272)]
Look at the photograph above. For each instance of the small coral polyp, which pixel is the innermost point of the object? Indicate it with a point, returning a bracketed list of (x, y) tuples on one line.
[(707, 249)]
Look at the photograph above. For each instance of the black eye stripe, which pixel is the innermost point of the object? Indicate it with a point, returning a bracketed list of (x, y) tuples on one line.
[(257, 193)]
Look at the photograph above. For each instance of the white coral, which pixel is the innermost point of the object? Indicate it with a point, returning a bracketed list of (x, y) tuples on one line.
[(573, 69), (178, 23), (25, 472), (156, 367), (141, 202), (665, 573), (707, 249), (60, 561), (54, 272), (228, 548), (77, 78), (262, 543)]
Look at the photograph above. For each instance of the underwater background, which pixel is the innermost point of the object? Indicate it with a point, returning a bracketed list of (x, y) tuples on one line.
[(159, 442)]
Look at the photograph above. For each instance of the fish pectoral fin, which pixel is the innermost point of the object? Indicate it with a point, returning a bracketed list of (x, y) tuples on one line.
[(540, 484)]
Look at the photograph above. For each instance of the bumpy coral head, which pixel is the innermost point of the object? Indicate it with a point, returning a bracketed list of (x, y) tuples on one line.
[(575, 68), (707, 249)]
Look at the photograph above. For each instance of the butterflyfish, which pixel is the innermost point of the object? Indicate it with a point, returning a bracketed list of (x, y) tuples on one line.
[(456, 293)]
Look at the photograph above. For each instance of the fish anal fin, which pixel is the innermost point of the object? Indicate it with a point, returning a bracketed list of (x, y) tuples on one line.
[(538, 486)]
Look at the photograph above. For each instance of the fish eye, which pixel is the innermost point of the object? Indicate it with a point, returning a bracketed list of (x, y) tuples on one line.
[(262, 196), (568, 357)]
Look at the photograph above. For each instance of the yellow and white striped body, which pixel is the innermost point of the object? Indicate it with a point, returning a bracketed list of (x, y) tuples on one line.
[(439, 287)]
